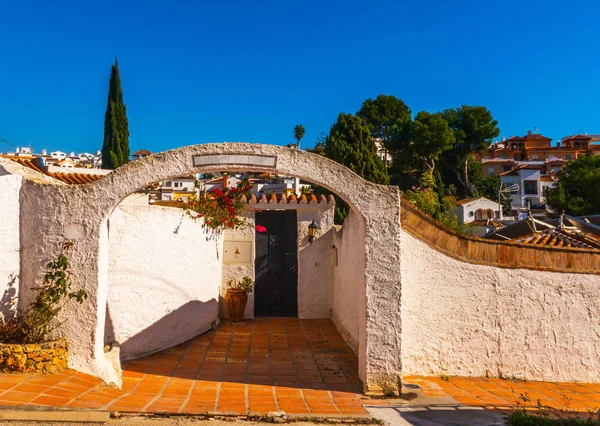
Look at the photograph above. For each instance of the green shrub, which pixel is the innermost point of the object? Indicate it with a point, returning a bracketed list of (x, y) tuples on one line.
[(35, 324)]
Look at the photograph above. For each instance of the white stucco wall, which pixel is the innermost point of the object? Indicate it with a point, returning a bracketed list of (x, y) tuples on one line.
[(348, 278), (474, 320), (10, 187), (237, 271), (315, 269), (163, 287), (52, 211)]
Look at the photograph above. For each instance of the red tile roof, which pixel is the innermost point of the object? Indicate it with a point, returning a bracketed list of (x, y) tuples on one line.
[(577, 137), (72, 178), (559, 238), (271, 199)]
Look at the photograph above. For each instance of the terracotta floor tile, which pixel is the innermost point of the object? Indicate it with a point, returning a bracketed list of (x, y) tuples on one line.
[(63, 393), (194, 407), (51, 401), (283, 392), (73, 387), (467, 400), (26, 387), (311, 393), (19, 397), (350, 411), (150, 386), (176, 390), (232, 408), (296, 409), (299, 366)]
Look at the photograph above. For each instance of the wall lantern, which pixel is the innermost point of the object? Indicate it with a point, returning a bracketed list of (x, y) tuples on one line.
[(312, 231)]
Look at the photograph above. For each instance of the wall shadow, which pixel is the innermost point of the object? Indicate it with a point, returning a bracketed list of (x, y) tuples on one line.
[(437, 414), (176, 327)]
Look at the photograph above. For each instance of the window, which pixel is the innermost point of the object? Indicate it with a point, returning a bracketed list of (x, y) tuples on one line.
[(530, 187), (567, 156), (504, 157), (506, 168), (168, 183), (479, 214), (489, 214), (167, 197), (534, 157), (491, 171)]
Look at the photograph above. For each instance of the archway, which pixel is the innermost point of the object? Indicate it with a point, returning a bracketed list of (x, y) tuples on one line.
[(80, 213)]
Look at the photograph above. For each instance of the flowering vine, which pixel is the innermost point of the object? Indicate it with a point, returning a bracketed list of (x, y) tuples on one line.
[(221, 208)]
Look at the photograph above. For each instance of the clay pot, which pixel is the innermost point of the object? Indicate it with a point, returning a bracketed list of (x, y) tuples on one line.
[(236, 300)]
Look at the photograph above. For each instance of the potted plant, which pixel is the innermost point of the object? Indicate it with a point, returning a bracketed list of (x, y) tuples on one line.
[(237, 297)]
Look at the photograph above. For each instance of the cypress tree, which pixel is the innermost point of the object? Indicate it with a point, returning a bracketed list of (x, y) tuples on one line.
[(115, 149), (351, 144)]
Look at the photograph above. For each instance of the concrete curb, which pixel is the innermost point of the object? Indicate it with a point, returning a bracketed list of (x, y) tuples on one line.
[(55, 416)]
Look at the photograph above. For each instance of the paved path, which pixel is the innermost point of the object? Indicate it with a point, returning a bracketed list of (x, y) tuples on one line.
[(302, 367), (483, 392)]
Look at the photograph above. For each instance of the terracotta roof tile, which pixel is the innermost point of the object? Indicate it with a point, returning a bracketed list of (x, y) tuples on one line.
[(72, 178), (272, 199), (559, 238)]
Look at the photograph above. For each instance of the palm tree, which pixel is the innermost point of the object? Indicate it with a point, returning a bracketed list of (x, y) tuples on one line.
[(299, 133)]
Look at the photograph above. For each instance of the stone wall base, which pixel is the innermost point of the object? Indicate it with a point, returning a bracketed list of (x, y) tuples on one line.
[(48, 357)]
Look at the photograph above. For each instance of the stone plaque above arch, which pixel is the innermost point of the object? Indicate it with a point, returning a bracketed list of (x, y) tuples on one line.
[(269, 161)]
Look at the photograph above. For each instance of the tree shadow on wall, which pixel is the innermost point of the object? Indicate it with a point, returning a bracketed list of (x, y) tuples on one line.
[(178, 326), (7, 301)]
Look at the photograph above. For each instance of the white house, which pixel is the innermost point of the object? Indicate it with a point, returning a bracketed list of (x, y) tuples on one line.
[(532, 186), (475, 209)]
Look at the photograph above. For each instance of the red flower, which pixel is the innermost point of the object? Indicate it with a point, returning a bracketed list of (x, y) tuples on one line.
[(230, 224), (260, 228)]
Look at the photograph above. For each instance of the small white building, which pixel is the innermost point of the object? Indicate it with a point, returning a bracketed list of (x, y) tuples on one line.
[(533, 184), (472, 209)]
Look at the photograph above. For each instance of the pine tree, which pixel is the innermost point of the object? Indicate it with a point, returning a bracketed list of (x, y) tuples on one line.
[(115, 149)]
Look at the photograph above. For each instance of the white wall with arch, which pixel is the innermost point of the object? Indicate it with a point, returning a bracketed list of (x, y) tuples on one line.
[(51, 212), (164, 275)]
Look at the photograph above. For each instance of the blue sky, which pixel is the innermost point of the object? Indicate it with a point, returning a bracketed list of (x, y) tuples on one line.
[(200, 71)]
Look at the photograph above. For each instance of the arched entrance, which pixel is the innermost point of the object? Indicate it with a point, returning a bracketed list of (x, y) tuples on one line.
[(79, 213)]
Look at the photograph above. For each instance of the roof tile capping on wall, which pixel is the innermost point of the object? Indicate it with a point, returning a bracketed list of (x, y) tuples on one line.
[(497, 253)]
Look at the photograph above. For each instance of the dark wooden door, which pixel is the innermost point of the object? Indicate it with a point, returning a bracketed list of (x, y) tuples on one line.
[(276, 264)]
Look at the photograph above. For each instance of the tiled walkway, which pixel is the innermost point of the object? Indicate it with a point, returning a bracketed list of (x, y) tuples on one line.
[(302, 367), (497, 393)]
